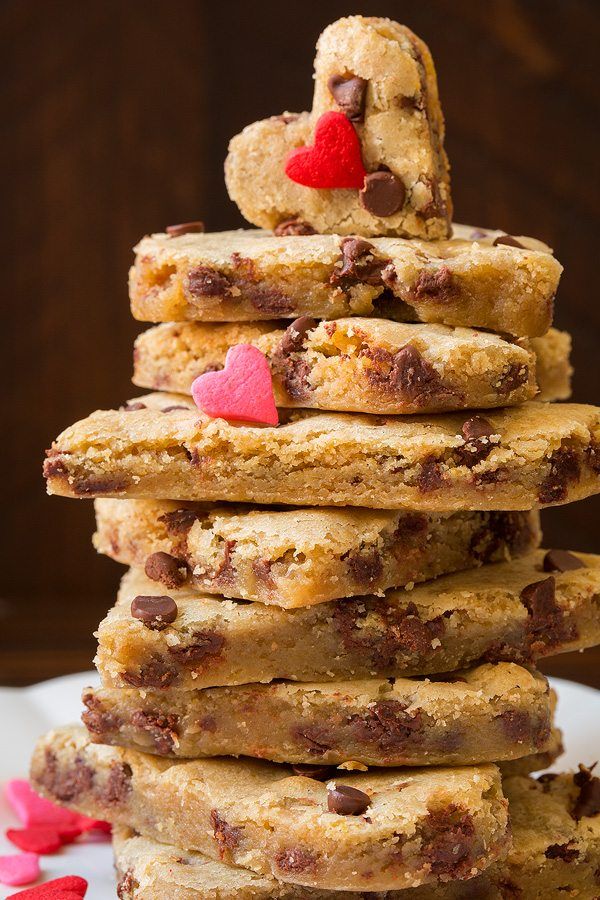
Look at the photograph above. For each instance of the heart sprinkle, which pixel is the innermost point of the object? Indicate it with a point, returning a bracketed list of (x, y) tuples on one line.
[(241, 392), (333, 161), (36, 839), (71, 887), (21, 868)]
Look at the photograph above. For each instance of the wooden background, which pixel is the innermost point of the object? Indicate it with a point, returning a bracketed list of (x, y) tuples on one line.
[(116, 121)]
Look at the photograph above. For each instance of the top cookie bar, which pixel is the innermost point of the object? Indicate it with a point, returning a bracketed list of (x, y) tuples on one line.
[(372, 158), (474, 279)]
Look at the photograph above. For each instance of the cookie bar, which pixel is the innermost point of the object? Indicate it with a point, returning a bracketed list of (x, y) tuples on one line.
[(371, 365), (379, 79), (553, 367), (375, 830), (252, 275), (535, 762), (552, 853), (486, 714), (487, 614), (303, 556), (149, 870), (537, 454)]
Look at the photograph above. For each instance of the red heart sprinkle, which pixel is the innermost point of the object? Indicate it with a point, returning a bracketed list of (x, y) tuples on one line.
[(71, 887), (37, 839), (333, 161), (69, 833), (241, 392), (84, 823)]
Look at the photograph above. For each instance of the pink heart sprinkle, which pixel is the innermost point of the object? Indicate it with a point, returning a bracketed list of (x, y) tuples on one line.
[(20, 868), (35, 810), (241, 392)]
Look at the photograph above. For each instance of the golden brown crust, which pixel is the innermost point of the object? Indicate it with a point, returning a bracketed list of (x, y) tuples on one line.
[(538, 454)]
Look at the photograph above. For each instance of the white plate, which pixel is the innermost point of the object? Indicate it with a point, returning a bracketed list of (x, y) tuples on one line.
[(28, 712)]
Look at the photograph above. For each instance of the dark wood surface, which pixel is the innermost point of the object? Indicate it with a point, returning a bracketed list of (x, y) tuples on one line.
[(116, 121)]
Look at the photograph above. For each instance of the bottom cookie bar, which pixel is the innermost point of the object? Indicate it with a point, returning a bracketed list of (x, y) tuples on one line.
[(489, 713), (556, 852), (372, 831)]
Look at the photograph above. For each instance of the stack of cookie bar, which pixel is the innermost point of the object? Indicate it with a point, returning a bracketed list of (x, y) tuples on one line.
[(331, 688)]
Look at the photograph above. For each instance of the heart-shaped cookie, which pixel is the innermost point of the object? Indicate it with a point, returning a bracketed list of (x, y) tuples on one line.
[(241, 392), (377, 74)]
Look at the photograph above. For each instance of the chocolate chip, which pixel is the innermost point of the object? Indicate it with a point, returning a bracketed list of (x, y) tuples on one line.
[(588, 801), (500, 532), (96, 718), (226, 573), (54, 467), (296, 859), (565, 468), (359, 265), (411, 531), (386, 725), (163, 729), (508, 240), (477, 432), (318, 738), (547, 626), (127, 886), (477, 427), (293, 228), (196, 227), (94, 486), (319, 773), (567, 852), (516, 724), (118, 784), (385, 635), (155, 612), (180, 521), (167, 569), (431, 476), (133, 407), (347, 801), (561, 561), (293, 339), (450, 846), (540, 597), (204, 645), (349, 92), (262, 568), (227, 836), (438, 285), (514, 377), (268, 300), (366, 566), (382, 194), (66, 783), (206, 282), (153, 674), (408, 375)]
